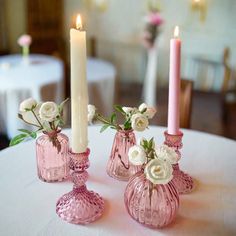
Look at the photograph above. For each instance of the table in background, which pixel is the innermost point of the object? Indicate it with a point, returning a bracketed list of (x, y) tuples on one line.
[(41, 77), (101, 84), (28, 204), (37, 76)]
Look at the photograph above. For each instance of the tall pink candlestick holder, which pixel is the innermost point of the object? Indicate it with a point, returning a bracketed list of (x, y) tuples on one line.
[(80, 206), (183, 182)]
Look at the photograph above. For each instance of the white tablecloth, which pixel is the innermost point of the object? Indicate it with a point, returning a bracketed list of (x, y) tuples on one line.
[(27, 205), (40, 77), (101, 80)]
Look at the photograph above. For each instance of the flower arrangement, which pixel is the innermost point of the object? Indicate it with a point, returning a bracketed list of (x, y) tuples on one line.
[(153, 21), (157, 162), (134, 118), (45, 117), (24, 41)]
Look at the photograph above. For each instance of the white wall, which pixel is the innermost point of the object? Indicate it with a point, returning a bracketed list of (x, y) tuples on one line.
[(118, 30)]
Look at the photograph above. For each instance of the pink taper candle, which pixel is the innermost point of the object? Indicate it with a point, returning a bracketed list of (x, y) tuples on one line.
[(174, 84)]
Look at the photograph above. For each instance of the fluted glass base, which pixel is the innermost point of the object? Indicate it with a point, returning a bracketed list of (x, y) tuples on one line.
[(183, 182), (80, 206)]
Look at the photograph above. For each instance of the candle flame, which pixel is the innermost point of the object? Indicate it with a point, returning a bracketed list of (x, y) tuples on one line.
[(78, 23), (176, 31)]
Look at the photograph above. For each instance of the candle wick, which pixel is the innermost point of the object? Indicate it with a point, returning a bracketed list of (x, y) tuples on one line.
[(79, 28)]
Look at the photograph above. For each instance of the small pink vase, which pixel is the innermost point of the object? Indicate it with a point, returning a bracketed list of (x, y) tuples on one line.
[(52, 162), (152, 205), (118, 165)]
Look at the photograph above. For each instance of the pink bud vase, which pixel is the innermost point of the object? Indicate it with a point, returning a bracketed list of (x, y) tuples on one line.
[(52, 161), (118, 165), (152, 205)]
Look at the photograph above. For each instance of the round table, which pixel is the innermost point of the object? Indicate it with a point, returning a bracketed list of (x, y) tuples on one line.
[(41, 77), (101, 84), (38, 76), (28, 204)]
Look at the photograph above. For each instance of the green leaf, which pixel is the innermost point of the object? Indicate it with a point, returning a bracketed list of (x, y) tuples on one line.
[(18, 139), (104, 127), (150, 143), (144, 110), (127, 125), (32, 134), (113, 117), (119, 109)]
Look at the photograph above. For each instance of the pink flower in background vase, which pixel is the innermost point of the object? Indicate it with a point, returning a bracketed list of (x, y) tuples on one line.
[(24, 40), (155, 18), (153, 21)]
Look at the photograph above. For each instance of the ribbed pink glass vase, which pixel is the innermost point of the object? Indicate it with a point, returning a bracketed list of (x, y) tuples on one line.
[(52, 163), (118, 165), (152, 205)]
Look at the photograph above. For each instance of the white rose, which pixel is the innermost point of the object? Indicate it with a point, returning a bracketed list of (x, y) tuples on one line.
[(29, 116), (150, 112), (27, 104), (137, 155), (142, 107), (91, 113), (128, 110), (139, 122), (158, 171), (48, 111), (167, 154)]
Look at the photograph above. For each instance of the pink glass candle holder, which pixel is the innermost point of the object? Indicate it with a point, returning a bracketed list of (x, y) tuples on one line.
[(52, 156), (183, 182), (80, 206), (118, 166), (152, 205)]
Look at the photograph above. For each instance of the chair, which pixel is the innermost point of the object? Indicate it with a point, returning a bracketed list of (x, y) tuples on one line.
[(186, 103), (212, 75), (229, 84)]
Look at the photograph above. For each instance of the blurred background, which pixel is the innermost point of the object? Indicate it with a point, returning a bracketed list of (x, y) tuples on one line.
[(128, 57)]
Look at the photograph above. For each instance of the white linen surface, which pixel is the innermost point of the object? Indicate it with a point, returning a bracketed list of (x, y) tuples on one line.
[(27, 205)]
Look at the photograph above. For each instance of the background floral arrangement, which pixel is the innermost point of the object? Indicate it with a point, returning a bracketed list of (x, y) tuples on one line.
[(134, 118), (153, 21), (157, 161), (45, 117), (25, 41)]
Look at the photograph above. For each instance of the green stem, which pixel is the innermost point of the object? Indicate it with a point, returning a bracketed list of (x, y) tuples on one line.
[(31, 123), (37, 118), (106, 121)]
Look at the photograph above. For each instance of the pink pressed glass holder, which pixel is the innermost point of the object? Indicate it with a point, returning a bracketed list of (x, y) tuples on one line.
[(80, 206), (152, 205), (118, 165), (183, 182), (52, 164)]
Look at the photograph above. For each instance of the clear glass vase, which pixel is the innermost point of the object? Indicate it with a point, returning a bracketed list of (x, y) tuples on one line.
[(118, 165), (52, 156), (152, 205)]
